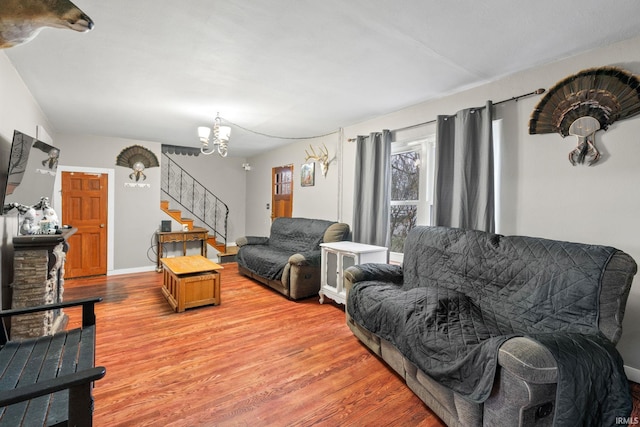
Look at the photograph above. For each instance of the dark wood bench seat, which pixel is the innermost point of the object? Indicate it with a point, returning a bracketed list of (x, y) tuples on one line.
[(47, 381)]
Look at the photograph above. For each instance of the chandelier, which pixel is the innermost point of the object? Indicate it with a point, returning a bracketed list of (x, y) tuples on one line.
[(219, 140)]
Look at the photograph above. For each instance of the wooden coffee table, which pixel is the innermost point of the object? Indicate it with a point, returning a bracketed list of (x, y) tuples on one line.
[(190, 281)]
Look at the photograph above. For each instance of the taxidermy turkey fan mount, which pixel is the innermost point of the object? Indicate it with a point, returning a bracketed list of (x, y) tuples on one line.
[(137, 158), (584, 103)]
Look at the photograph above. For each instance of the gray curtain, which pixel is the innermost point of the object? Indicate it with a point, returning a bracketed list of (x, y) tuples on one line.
[(372, 189), (464, 188)]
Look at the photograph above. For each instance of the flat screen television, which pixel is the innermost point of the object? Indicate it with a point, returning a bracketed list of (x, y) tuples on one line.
[(30, 173)]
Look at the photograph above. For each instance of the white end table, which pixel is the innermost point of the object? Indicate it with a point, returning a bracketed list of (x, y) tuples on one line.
[(338, 256)]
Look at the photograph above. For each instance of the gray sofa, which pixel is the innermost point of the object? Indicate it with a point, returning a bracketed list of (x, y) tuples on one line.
[(289, 259), (490, 330)]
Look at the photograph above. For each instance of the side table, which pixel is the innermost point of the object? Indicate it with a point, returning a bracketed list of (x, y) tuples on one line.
[(197, 234), (190, 281), (338, 256)]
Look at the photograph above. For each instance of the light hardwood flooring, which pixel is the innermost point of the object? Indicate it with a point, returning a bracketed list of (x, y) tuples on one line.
[(257, 359)]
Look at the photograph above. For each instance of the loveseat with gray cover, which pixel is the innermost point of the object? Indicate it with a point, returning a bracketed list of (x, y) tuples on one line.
[(289, 259), (492, 330)]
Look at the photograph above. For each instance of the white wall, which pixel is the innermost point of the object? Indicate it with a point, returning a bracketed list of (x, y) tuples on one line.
[(319, 201), (542, 194), (18, 110)]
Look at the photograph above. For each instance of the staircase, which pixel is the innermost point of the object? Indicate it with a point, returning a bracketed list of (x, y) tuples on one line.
[(202, 208), (176, 214)]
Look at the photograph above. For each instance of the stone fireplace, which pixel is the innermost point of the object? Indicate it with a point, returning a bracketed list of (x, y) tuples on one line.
[(38, 280)]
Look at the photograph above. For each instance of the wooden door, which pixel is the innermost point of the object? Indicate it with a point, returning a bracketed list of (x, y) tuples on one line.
[(84, 206), (281, 191)]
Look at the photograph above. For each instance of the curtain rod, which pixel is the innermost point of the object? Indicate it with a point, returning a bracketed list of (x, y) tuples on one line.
[(515, 98)]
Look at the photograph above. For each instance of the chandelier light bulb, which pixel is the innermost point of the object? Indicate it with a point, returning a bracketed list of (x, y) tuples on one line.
[(219, 137)]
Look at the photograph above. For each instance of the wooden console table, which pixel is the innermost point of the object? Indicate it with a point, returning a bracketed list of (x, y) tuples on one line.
[(190, 281), (197, 234)]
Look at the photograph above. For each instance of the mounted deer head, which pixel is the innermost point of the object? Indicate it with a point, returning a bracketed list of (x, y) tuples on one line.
[(22, 20), (322, 158)]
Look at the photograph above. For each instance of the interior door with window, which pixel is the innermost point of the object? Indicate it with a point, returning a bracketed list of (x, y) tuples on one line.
[(84, 206), (281, 192)]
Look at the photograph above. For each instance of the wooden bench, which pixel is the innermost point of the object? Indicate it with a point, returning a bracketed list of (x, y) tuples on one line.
[(47, 381)]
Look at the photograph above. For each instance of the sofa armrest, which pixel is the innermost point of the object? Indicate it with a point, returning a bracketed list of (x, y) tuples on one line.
[(252, 240), (336, 232), (524, 391), (306, 258), (528, 360), (372, 271)]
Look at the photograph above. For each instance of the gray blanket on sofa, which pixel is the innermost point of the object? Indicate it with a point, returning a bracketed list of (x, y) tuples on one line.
[(464, 293), (267, 257)]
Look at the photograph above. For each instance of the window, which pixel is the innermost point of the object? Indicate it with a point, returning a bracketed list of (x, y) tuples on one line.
[(412, 167)]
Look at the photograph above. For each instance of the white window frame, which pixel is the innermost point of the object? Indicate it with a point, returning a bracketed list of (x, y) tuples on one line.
[(426, 147)]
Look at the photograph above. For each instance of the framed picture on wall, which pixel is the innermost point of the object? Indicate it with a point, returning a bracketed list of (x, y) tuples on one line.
[(308, 174)]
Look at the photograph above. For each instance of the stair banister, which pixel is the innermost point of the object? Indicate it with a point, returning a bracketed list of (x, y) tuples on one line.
[(218, 225)]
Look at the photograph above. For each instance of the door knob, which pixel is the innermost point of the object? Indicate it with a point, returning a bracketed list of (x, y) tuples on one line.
[(101, 225)]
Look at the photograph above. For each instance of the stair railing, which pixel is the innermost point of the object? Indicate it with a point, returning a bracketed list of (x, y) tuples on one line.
[(190, 194)]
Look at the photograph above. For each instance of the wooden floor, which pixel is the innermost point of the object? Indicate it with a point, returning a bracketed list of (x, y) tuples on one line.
[(258, 359), (635, 394)]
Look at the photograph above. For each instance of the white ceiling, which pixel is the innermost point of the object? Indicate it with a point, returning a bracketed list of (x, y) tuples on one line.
[(154, 70)]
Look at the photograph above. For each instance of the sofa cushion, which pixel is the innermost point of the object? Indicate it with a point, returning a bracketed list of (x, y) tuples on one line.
[(264, 260), (297, 234), (522, 284)]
